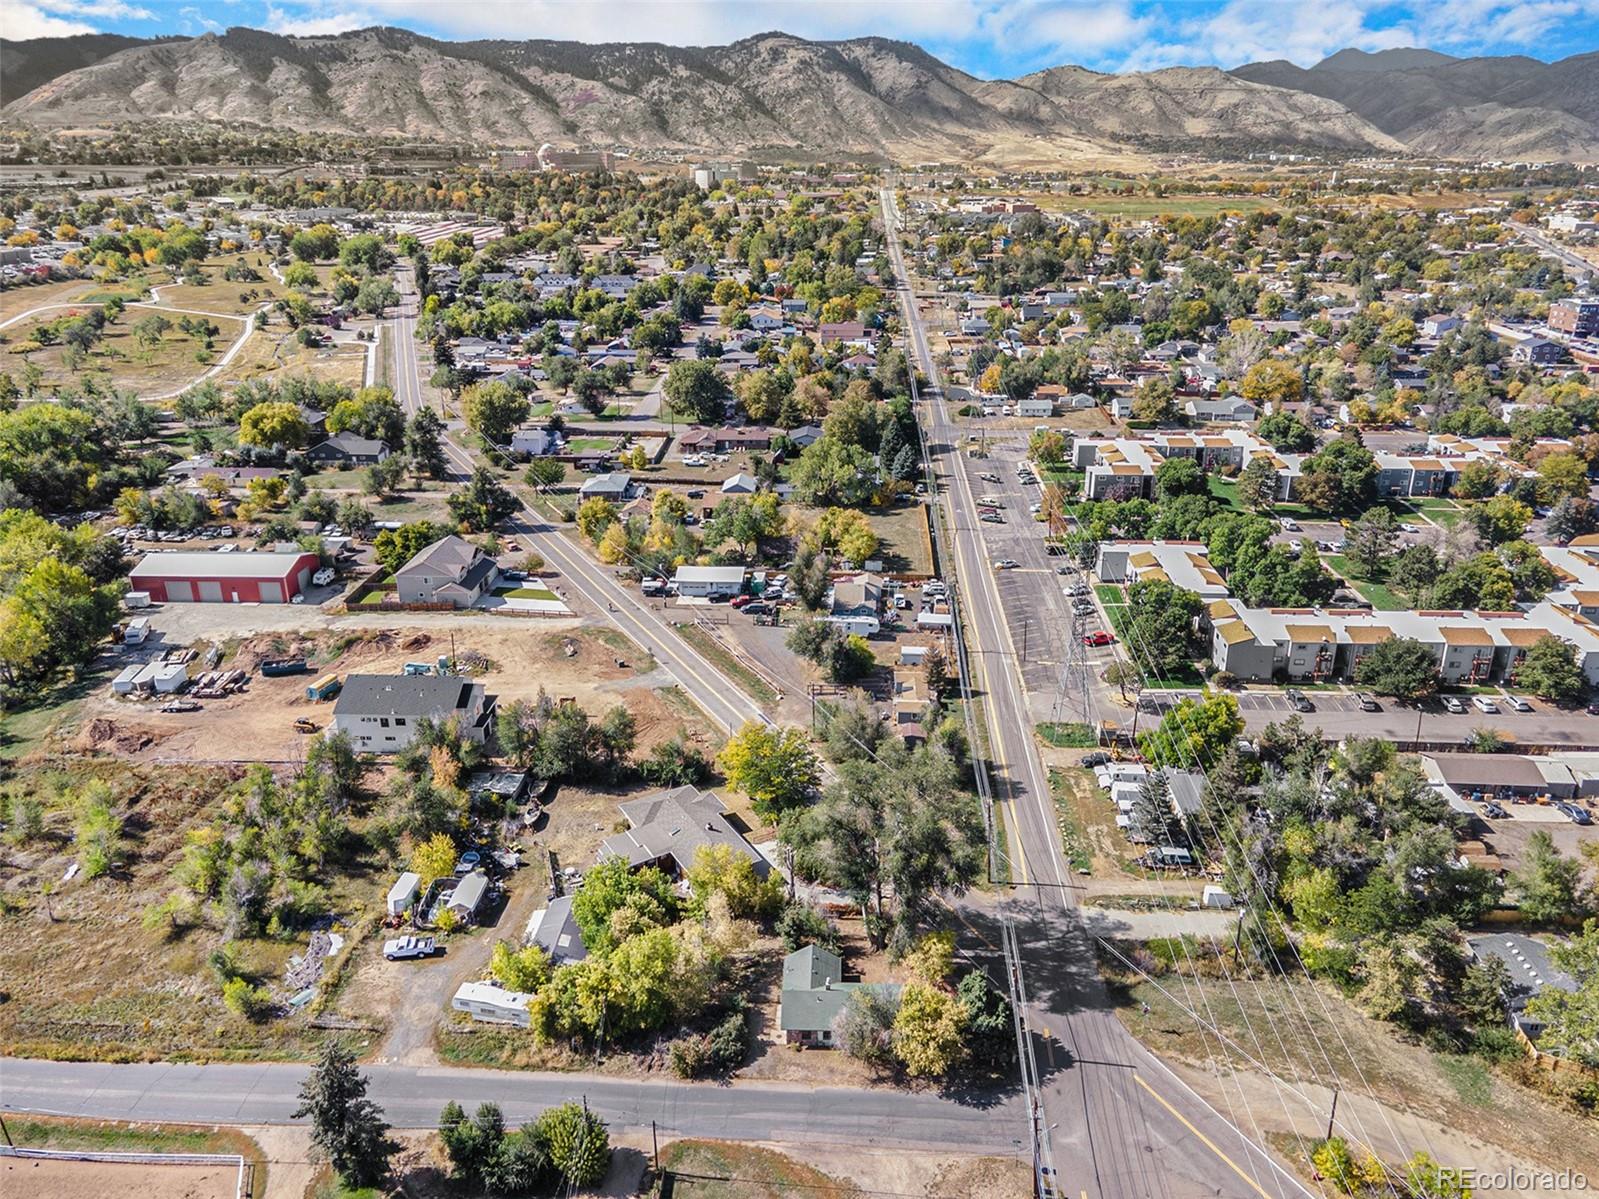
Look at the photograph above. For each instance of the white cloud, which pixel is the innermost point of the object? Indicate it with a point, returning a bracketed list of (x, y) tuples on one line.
[(299, 23), (19, 21)]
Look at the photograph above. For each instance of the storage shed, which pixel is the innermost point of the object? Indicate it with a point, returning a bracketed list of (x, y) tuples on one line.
[(179, 577), (403, 894), (468, 896)]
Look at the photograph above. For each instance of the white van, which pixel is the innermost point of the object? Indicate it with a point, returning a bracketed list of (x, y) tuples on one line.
[(1483, 704)]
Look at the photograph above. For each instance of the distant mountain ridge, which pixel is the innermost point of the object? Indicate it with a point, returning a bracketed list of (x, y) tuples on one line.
[(779, 93), (27, 64), (1509, 107)]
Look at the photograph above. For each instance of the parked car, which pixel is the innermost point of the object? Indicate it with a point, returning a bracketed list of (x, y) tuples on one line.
[(742, 601), (1099, 638), (1494, 811), (1367, 702), (1077, 589), (1451, 704), (993, 518), (1573, 813), (409, 947), (1298, 701), (1097, 758), (758, 608), (1005, 564), (1483, 704), (1517, 703)]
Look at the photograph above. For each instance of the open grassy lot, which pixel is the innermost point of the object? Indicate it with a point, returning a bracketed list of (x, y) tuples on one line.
[(275, 351), (1143, 208), (118, 359), (87, 979), (237, 297), (16, 300), (724, 1170), (1380, 596)]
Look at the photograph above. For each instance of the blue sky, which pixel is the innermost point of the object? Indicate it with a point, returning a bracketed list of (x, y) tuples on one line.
[(989, 38)]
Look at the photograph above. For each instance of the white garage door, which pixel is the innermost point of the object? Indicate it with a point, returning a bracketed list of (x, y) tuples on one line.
[(271, 592), (210, 592), (180, 592)]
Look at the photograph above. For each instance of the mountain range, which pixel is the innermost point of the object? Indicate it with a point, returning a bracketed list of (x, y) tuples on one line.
[(779, 94)]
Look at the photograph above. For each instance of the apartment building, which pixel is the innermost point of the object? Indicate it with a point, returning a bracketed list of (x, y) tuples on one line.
[(1184, 564), (1313, 644), (1124, 467)]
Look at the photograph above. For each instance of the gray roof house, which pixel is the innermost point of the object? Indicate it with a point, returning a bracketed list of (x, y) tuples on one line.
[(665, 830), (615, 486), (1531, 971), (380, 711), (450, 571), (350, 449), (554, 930), (813, 995), (1229, 408)]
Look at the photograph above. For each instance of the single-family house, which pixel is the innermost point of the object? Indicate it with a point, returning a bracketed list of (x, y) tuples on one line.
[(1531, 970), (535, 441), (740, 484), (450, 571), (616, 486), (349, 449), (667, 828), (554, 929), (1233, 409), (468, 895), (813, 995), (381, 712)]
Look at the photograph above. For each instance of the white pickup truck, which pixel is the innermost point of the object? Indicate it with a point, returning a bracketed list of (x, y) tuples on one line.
[(408, 947)]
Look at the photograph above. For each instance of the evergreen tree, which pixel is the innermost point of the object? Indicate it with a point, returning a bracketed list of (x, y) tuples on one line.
[(345, 1124)]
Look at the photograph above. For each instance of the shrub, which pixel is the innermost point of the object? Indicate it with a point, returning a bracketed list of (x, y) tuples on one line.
[(251, 1002), (1497, 1043), (801, 925)]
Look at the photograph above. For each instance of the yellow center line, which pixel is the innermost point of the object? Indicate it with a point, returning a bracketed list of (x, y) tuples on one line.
[(1204, 1140)]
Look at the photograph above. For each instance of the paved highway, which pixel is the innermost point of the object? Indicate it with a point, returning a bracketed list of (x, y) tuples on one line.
[(1567, 258), (720, 698), (1118, 1124), (411, 1098)]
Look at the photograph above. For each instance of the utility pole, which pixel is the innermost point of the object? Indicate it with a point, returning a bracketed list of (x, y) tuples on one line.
[(655, 1146), (1332, 1114)]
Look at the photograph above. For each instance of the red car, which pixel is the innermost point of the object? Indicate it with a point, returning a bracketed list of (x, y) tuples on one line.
[(740, 600), (1099, 638)]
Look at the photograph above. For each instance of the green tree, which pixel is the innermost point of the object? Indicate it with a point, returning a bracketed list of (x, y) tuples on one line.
[(434, 858), (519, 969), (831, 472), (274, 424), (1571, 1018), (1161, 626), (1399, 667), (424, 445), (697, 391), (1286, 432), (928, 1030), (1257, 485), (1047, 447), (483, 503), (395, 547), (371, 412), (990, 1029), (1179, 476), (544, 472), (775, 767), (1550, 670), (1549, 885), (345, 1125), (1194, 734), (99, 830), (577, 1143), (1342, 477), (1501, 519), (644, 899), (494, 410), (1372, 540)]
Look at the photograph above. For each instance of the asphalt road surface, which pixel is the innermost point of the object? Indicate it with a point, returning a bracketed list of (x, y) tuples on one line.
[(412, 1096), (1116, 1123), (701, 681)]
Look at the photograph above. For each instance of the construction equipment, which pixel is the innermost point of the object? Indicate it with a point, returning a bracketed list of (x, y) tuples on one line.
[(302, 725)]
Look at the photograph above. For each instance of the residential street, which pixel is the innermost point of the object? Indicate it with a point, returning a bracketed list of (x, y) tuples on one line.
[(412, 1096)]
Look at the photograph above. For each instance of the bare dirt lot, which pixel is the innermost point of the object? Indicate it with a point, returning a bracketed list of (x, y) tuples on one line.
[(521, 660), (63, 1179)]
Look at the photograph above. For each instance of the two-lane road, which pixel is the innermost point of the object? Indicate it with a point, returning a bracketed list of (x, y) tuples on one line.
[(1118, 1124), (411, 1097), (716, 694)]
